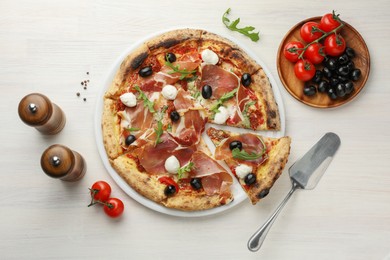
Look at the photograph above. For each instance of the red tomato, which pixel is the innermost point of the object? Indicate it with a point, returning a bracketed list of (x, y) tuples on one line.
[(304, 70), (329, 22), (310, 31), (292, 50), (334, 45), (169, 181), (114, 207), (100, 191), (315, 53)]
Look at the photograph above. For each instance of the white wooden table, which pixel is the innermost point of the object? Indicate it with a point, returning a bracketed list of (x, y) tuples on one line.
[(49, 46)]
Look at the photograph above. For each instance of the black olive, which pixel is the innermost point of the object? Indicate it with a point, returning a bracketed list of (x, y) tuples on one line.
[(250, 179), (170, 190), (129, 139), (327, 72), (351, 65), (340, 90), (246, 79), (331, 64), (171, 57), (263, 193), (196, 183), (350, 52), (175, 116), (323, 86), (355, 74), (146, 71), (349, 87), (343, 71), (318, 76), (207, 91), (235, 144), (333, 82), (332, 93), (309, 90), (343, 59), (342, 79)]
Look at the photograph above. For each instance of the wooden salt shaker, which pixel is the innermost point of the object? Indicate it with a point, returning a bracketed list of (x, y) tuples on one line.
[(62, 163), (38, 111)]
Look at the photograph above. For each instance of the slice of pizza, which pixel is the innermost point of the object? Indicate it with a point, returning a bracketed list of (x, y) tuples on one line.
[(256, 161), (176, 176)]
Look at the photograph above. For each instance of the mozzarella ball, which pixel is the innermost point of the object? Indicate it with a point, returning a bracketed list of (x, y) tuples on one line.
[(128, 99), (172, 164), (210, 57), (169, 92)]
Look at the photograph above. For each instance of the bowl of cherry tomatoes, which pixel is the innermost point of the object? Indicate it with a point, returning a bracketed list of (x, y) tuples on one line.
[(323, 61)]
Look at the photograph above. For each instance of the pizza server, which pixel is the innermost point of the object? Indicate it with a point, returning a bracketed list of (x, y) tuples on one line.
[(304, 174)]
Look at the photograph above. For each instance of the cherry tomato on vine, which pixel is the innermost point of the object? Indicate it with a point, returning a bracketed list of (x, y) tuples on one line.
[(315, 53), (329, 22), (304, 70), (292, 50), (310, 31), (100, 191), (334, 45), (114, 207)]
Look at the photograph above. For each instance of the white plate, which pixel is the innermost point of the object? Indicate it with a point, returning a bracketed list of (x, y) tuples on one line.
[(238, 193)]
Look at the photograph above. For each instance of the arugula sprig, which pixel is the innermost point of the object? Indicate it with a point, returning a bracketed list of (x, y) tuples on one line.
[(159, 129), (185, 169), (176, 69), (243, 155), (132, 129), (147, 103), (247, 31), (222, 99), (245, 113)]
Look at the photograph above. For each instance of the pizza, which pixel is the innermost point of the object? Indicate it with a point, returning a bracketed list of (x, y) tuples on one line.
[(158, 104), (256, 161)]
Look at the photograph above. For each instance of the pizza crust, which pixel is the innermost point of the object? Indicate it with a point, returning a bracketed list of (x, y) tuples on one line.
[(111, 129), (172, 38)]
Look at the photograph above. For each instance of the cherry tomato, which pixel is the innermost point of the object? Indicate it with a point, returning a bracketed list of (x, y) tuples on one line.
[(309, 31), (315, 53), (100, 191), (304, 70), (114, 207), (334, 45), (292, 50), (329, 22)]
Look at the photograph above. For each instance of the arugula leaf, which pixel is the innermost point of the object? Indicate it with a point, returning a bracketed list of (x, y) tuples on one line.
[(247, 31), (159, 129), (242, 155), (222, 99), (175, 69), (132, 129), (185, 169), (245, 113), (147, 103)]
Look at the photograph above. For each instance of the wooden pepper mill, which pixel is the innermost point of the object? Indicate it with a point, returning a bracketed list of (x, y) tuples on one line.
[(38, 111), (62, 163)]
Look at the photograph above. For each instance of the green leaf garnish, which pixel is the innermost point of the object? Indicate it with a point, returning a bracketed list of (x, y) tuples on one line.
[(147, 103), (175, 69), (247, 31), (222, 99), (159, 130), (132, 129), (245, 113), (185, 169), (242, 155)]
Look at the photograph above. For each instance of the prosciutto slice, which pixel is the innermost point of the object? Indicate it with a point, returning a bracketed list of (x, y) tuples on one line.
[(215, 179), (188, 130), (183, 101), (250, 144), (220, 80), (152, 157)]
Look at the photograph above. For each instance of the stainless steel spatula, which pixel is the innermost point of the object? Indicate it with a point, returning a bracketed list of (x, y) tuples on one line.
[(304, 174)]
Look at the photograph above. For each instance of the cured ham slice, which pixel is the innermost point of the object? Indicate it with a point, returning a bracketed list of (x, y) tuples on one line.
[(152, 157), (215, 179), (137, 117), (188, 130), (250, 144), (220, 80)]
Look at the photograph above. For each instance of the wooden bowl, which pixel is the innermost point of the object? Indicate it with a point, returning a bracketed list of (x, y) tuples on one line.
[(321, 100)]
